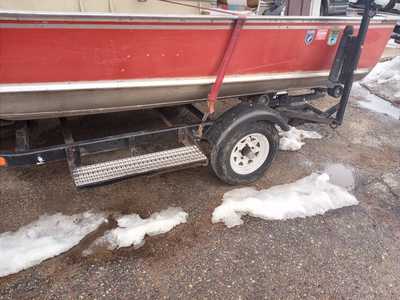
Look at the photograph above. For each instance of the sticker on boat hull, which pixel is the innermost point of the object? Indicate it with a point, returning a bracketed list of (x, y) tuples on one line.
[(310, 36), (321, 34), (333, 37)]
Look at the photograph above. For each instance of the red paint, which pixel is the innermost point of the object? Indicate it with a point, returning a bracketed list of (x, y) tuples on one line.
[(58, 55)]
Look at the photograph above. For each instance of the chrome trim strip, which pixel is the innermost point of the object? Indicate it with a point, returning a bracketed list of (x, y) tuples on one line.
[(159, 82), (117, 26), (22, 15), (172, 27)]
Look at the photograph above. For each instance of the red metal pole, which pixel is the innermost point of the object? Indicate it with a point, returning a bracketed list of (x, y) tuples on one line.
[(213, 95)]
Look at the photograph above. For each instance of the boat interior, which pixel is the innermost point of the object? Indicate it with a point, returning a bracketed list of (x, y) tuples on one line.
[(192, 7), (110, 6), (159, 7)]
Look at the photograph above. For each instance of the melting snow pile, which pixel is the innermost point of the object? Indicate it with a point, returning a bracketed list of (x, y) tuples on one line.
[(52, 235), (393, 44), (306, 197), (47, 237), (384, 80), (374, 103), (132, 229), (292, 140)]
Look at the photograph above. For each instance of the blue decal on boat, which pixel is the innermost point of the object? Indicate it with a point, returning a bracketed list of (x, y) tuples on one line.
[(310, 36), (333, 37)]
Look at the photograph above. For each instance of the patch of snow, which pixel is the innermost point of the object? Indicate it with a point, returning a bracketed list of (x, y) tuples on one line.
[(292, 140), (309, 196), (381, 3), (392, 44), (132, 229), (47, 237), (372, 102), (384, 80)]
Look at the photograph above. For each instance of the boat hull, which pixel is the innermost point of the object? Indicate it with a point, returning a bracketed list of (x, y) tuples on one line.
[(62, 65), (92, 99)]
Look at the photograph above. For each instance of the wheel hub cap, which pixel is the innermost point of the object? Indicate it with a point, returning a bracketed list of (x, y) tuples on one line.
[(249, 154)]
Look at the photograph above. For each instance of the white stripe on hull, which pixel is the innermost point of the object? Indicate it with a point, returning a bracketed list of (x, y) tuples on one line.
[(158, 82)]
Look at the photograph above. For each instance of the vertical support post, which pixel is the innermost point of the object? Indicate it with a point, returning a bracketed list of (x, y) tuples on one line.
[(73, 154), (22, 140), (338, 63), (131, 145), (213, 95), (356, 54)]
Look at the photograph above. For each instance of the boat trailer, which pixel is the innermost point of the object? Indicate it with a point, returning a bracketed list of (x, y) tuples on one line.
[(245, 131)]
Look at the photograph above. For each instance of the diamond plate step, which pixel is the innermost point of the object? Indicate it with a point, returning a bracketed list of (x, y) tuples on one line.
[(112, 170)]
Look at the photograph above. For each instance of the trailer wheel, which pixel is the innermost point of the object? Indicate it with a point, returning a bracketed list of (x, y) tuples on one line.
[(243, 155)]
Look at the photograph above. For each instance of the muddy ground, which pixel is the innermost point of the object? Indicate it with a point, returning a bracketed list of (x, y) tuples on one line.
[(349, 253)]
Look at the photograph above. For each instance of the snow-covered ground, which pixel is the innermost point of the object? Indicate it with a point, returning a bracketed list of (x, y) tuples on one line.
[(306, 197), (372, 102), (132, 229), (293, 139), (384, 80), (393, 44), (47, 237)]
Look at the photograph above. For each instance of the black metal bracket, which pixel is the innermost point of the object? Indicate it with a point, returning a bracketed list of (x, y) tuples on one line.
[(72, 153), (22, 136), (340, 79), (286, 100), (195, 111), (73, 150), (353, 48)]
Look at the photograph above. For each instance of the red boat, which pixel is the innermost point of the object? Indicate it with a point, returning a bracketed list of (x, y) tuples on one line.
[(69, 63)]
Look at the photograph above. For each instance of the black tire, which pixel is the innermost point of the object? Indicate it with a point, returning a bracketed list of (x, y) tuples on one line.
[(221, 152)]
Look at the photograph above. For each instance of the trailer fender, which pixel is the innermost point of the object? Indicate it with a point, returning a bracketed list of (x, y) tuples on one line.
[(240, 114)]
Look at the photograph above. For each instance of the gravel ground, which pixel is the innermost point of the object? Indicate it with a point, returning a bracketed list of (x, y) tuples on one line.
[(349, 253)]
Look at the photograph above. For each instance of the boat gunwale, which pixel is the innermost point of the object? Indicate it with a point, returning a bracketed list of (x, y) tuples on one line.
[(85, 16)]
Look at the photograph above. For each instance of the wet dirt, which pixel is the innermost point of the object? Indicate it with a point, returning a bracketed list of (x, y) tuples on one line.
[(341, 175)]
